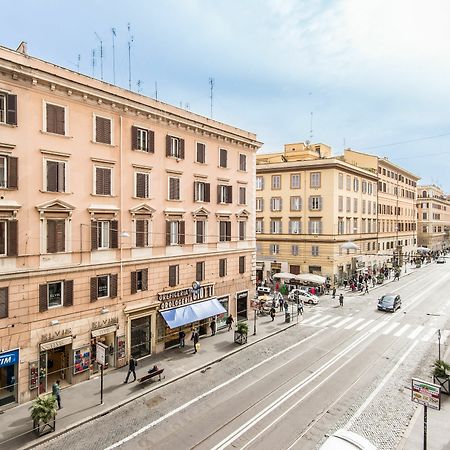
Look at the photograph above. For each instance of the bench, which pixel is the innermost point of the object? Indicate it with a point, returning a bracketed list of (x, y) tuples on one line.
[(149, 376)]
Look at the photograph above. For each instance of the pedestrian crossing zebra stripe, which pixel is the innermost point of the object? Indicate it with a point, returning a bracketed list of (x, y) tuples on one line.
[(329, 322), (364, 325), (353, 324), (321, 319), (416, 332), (342, 322), (402, 330), (390, 328)]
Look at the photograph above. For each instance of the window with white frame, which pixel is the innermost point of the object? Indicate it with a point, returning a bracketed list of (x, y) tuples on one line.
[(348, 204), (2, 107), (259, 204), (294, 250), (8, 108), (175, 232), (142, 232), (224, 194), (369, 188), (295, 181), (3, 171), (355, 225), (275, 226), (142, 139), (275, 204), (200, 154), (103, 234), (103, 180), (294, 226), (8, 172), (315, 250), (274, 249), (103, 286), (142, 184), (259, 183), (315, 179), (242, 230), (201, 191), (356, 184), (276, 181), (341, 225), (55, 175), (315, 203), (348, 182), (296, 203), (243, 162), (242, 195), (364, 186), (3, 238), (174, 188), (355, 205), (340, 203), (103, 130), (174, 148), (55, 119), (200, 231), (224, 230), (55, 235), (259, 226), (340, 180), (315, 226), (223, 158), (55, 294)]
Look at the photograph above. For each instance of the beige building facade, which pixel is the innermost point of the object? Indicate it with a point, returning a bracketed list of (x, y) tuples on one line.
[(111, 205), (433, 215)]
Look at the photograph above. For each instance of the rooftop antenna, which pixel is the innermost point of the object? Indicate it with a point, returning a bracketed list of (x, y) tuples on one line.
[(187, 106), (156, 90), (139, 86), (93, 63), (311, 127), (101, 55), (78, 62), (114, 54), (211, 89), (130, 40)]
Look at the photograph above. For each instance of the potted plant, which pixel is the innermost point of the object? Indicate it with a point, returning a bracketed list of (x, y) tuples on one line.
[(380, 278), (241, 332), (441, 375), (43, 413)]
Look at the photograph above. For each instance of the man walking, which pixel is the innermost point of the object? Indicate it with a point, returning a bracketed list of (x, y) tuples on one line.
[(181, 338), (56, 392), (341, 300), (195, 337), (131, 370), (229, 322), (212, 325), (366, 290), (334, 292), (281, 303)]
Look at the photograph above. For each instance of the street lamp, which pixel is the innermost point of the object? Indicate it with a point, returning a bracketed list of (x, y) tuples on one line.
[(439, 344)]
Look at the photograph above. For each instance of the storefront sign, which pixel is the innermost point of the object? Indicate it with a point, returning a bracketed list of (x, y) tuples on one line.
[(56, 335), (185, 296), (9, 358), (54, 344), (425, 393), (100, 353), (105, 323), (103, 331)]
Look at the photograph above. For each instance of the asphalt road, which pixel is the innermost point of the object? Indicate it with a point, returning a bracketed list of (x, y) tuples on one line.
[(341, 367)]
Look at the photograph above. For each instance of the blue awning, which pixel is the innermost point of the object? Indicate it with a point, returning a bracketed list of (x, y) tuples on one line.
[(177, 317)]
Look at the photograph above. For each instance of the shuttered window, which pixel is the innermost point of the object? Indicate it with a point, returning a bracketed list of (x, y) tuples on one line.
[(142, 233), (242, 230), (315, 179), (200, 155), (174, 188), (259, 183), (103, 181), (142, 139), (259, 228), (8, 172), (139, 281), (142, 185), (224, 194), (175, 232), (224, 231), (3, 237), (200, 231), (315, 227), (222, 267), (243, 162), (200, 271), (55, 294), (202, 191), (315, 203), (104, 234), (56, 176), (174, 147), (55, 119), (103, 130), (296, 203), (4, 300), (242, 195), (241, 264), (173, 275), (8, 237), (8, 108), (56, 236), (223, 158)]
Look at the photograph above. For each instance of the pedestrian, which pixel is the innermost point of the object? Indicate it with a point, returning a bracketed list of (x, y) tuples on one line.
[(56, 392), (281, 303), (195, 338), (229, 322), (286, 306), (131, 370), (181, 338), (341, 300), (366, 290), (212, 325), (334, 292), (277, 286), (272, 313), (300, 307)]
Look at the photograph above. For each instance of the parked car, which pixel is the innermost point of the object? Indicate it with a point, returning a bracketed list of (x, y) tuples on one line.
[(389, 302), (297, 294), (441, 260), (347, 440), (262, 290)]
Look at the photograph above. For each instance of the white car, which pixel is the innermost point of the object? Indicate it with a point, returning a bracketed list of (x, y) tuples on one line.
[(347, 440), (297, 294)]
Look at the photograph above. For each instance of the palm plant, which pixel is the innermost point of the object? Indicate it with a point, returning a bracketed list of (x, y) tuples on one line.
[(441, 369)]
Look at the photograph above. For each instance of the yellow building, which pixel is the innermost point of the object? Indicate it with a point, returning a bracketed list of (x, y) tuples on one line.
[(433, 213), (309, 203)]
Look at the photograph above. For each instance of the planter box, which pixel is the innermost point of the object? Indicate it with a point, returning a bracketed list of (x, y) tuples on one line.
[(444, 383), (240, 338), (41, 428), (380, 281)]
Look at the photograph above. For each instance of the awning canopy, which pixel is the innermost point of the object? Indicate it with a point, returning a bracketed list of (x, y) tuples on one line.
[(177, 317)]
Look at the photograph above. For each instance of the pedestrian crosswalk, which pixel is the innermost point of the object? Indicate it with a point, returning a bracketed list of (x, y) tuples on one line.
[(385, 327)]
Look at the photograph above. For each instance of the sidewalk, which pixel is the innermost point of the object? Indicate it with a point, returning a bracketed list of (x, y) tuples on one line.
[(81, 402)]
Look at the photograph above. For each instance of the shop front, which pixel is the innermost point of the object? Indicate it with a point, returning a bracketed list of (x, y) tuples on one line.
[(221, 319), (242, 305), (104, 332), (9, 364)]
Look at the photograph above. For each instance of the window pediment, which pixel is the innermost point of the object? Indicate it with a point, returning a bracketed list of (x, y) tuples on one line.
[(200, 212), (55, 206), (223, 214), (174, 212), (142, 210), (243, 214), (96, 209)]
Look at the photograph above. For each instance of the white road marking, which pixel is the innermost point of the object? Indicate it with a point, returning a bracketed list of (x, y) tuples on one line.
[(429, 335), (317, 321), (353, 324), (402, 330), (329, 322), (444, 335), (416, 332), (390, 328), (364, 325), (309, 319), (342, 322)]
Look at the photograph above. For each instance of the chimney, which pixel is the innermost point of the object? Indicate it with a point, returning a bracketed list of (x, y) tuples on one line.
[(22, 48)]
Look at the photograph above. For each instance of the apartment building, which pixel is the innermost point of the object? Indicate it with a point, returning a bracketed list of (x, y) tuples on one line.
[(433, 216), (308, 204), (397, 194), (111, 205)]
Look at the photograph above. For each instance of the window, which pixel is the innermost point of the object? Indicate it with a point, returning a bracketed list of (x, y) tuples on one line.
[(200, 231), (222, 267), (139, 281), (259, 183), (224, 230), (242, 230), (315, 179), (241, 264), (348, 204), (8, 108), (355, 225), (55, 294), (174, 147), (275, 226), (355, 205), (56, 176), (274, 249), (223, 158), (294, 252), (4, 302), (315, 203), (369, 188), (294, 226), (104, 234), (259, 226), (296, 203), (8, 237), (55, 119), (142, 232), (340, 203), (103, 181), (174, 188), (103, 130), (201, 191), (315, 250), (142, 139), (200, 154), (243, 162), (142, 182), (295, 181), (200, 271), (242, 195), (275, 204), (175, 232), (341, 181), (364, 186), (369, 207), (315, 226), (276, 181), (56, 235), (348, 182), (224, 194), (8, 172), (356, 184), (259, 204), (341, 226), (174, 275)]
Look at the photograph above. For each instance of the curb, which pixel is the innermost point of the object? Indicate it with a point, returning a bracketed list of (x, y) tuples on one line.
[(118, 405), (409, 430)]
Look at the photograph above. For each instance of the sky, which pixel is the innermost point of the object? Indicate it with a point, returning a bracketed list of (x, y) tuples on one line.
[(372, 75)]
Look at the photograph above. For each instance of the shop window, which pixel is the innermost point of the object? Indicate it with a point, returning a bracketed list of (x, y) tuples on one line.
[(139, 281), (4, 300), (174, 147), (8, 172), (103, 286), (200, 271), (55, 294), (222, 267), (241, 264), (174, 275), (140, 333), (142, 139)]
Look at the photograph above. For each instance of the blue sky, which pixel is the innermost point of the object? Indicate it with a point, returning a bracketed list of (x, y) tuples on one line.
[(375, 74)]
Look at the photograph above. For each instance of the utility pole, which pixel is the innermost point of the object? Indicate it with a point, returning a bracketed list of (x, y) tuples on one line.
[(439, 344)]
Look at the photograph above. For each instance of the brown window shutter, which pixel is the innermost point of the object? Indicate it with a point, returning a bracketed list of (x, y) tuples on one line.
[(228, 226), (51, 118), (181, 232), (141, 182), (207, 192), (4, 303), (176, 188), (172, 276), (140, 233), (94, 235), (68, 293), (181, 148), (134, 138), (52, 176), (103, 130), (107, 182), (43, 306), (219, 199), (60, 235), (61, 179), (230, 194), (167, 232), (151, 141), (195, 190), (12, 238), (133, 282), (113, 285), (200, 152), (94, 290), (12, 172), (51, 236), (11, 113), (99, 180), (60, 120), (168, 140), (114, 233), (144, 279)]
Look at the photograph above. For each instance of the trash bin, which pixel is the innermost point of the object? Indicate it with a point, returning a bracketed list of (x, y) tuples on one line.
[(287, 317)]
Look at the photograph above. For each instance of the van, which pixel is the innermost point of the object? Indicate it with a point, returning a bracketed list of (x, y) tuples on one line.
[(262, 290)]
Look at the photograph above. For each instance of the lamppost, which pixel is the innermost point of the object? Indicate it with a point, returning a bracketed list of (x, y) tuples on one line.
[(439, 344)]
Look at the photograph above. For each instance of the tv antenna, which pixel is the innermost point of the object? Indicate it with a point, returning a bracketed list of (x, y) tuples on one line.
[(130, 41), (211, 89), (113, 30), (101, 55), (311, 126), (93, 62), (78, 62), (156, 90), (139, 86)]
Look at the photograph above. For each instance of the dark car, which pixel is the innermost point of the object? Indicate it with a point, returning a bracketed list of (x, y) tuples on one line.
[(389, 302)]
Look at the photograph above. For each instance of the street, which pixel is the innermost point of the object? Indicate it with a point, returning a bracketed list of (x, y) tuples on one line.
[(347, 366)]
